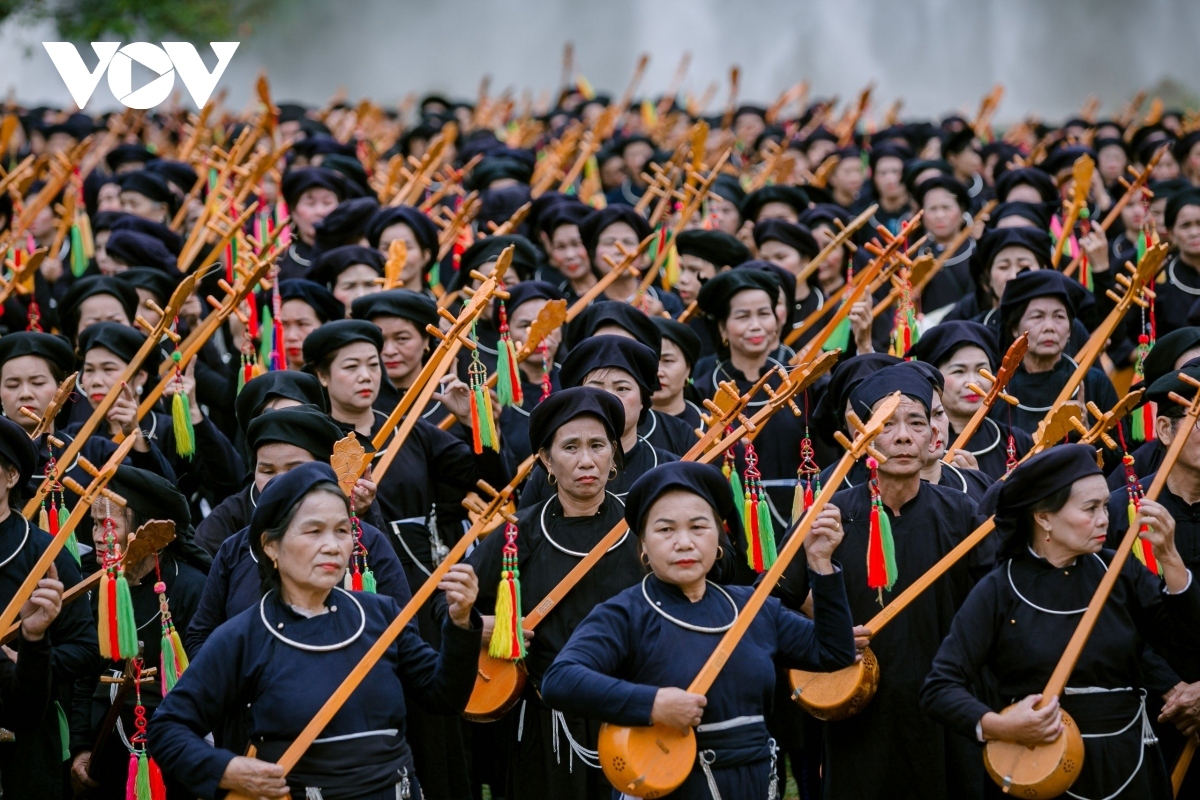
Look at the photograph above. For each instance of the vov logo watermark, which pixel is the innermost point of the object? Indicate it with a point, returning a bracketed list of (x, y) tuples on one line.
[(165, 61)]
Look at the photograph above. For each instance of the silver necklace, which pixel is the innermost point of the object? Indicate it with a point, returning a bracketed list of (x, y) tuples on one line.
[(961, 478), (21, 546), (562, 549), (991, 446), (1026, 601), (1047, 408), (687, 625), (304, 262), (1175, 280), (315, 648)]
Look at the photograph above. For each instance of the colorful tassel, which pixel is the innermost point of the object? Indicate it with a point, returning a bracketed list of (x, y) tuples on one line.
[(508, 642), (1133, 488), (729, 468), (1085, 267), (904, 332), (482, 430), (756, 519), (116, 625), (266, 345), (881, 549), (104, 615), (508, 375), (808, 479), (126, 622), (839, 339)]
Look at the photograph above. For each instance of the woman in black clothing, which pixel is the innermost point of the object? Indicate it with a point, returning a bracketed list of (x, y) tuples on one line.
[(1051, 514)]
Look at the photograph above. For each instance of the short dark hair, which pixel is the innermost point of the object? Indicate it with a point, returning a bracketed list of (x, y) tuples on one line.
[(267, 573)]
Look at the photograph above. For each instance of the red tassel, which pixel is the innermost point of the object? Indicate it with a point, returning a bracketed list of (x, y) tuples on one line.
[(808, 496), (114, 641), (755, 534), (356, 580), (876, 564), (158, 788), (1148, 554), (131, 779), (52, 516)]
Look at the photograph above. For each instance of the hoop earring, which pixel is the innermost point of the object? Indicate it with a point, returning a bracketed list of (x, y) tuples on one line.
[(612, 473), (720, 552), (550, 479), (645, 559)]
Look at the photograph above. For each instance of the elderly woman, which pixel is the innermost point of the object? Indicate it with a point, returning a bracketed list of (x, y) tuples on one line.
[(178, 573), (1045, 304), (1051, 514), (277, 662), (627, 370), (33, 765), (627, 661), (577, 435)]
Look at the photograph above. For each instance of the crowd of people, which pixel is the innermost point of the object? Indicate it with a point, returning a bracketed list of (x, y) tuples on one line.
[(697, 255)]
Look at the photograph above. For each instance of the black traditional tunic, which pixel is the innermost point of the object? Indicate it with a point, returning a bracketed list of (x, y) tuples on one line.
[(33, 765), (971, 482), (92, 699), (551, 753), (1036, 393), (953, 281), (890, 749), (1016, 624), (1173, 298), (633, 644), (989, 445), (666, 432), (260, 668)]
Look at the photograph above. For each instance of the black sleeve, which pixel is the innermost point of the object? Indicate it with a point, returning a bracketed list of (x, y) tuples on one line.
[(25, 687)]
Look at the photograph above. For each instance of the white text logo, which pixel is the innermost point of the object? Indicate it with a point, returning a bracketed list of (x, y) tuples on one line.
[(164, 61)]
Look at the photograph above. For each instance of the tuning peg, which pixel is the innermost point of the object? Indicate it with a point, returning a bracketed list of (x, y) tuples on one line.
[(1094, 410), (855, 422), (471, 503), (487, 488), (1008, 398), (31, 415), (747, 424), (976, 388), (875, 454), (54, 440), (1108, 441), (511, 518), (141, 322), (843, 440), (88, 467), (1077, 425)]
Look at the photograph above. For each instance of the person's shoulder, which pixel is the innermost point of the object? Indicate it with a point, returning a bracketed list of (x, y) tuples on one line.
[(229, 553), (664, 456), (950, 496)]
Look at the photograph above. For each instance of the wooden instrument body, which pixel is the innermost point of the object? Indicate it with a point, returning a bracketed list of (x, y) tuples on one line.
[(646, 760), (498, 687), (833, 696), (1043, 771)]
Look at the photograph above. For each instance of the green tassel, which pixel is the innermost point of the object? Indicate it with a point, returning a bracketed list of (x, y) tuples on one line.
[(1141, 245), (368, 578), (735, 484), (889, 548), (486, 438), (181, 421), (434, 276), (126, 623), (503, 375), (766, 531), (79, 260), (64, 731), (72, 546), (267, 345), (1138, 427), (840, 338), (143, 778), (168, 663)]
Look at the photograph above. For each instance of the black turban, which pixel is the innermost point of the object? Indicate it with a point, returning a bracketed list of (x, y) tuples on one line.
[(896, 378), (703, 480), (624, 316), (333, 336), (120, 340), (418, 308), (565, 405), (299, 386), (613, 352), (306, 426), (332, 263), (68, 309), (423, 228), (54, 349)]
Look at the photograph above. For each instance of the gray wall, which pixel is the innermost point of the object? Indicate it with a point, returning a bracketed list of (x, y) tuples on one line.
[(939, 55)]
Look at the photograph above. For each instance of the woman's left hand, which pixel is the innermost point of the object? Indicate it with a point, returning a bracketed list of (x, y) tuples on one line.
[(461, 587), (823, 539)]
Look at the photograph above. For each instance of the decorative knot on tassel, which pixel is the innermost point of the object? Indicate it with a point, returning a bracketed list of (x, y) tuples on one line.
[(34, 316), (1010, 453), (808, 479), (547, 387), (172, 659), (51, 516), (756, 517), (483, 431), (507, 641), (144, 780), (881, 549), (359, 576), (1133, 489)]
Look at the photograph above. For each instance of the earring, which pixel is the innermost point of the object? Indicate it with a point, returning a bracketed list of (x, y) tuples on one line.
[(612, 473), (275, 564), (550, 479), (720, 552), (724, 342), (645, 559)]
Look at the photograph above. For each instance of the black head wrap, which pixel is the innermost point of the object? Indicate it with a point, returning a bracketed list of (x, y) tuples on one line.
[(703, 480), (299, 386), (332, 263), (120, 340), (613, 352), (624, 316), (420, 309), (68, 308), (565, 405), (423, 228), (939, 343)]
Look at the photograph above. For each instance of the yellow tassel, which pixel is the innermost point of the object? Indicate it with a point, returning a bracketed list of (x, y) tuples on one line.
[(102, 627), (181, 659), (44, 519), (502, 641)]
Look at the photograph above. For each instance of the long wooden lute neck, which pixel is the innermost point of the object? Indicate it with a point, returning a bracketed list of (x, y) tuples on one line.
[(1008, 368), (1066, 664), (770, 579)]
